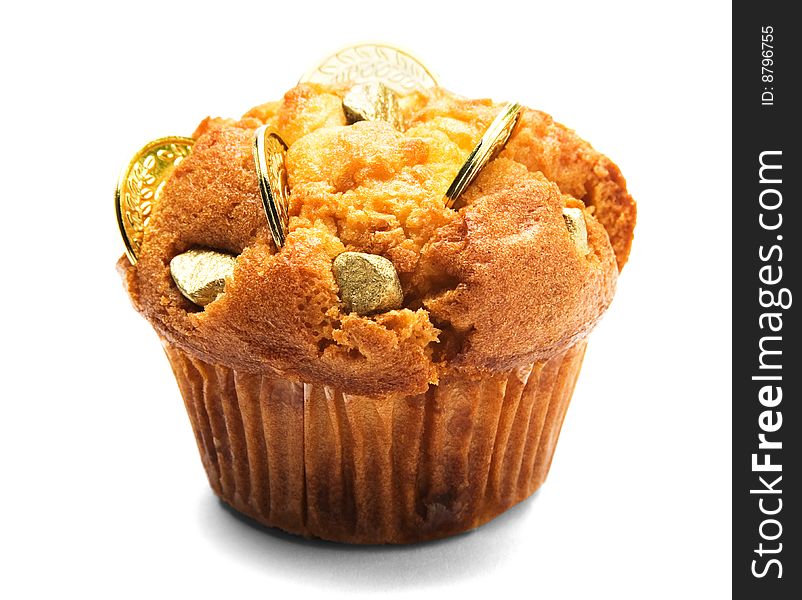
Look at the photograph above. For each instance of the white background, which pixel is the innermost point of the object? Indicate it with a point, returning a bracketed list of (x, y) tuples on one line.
[(103, 494)]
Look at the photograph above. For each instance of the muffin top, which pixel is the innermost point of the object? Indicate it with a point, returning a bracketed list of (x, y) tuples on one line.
[(491, 285)]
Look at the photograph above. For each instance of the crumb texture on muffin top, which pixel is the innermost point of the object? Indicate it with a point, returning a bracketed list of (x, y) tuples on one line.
[(495, 284)]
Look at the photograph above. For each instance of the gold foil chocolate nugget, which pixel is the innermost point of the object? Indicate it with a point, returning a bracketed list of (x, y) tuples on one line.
[(372, 101), (201, 274), (368, 283), (577, 229)]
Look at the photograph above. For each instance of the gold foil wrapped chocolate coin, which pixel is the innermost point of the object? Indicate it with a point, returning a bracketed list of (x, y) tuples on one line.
[(368, 283), (372, 101), (268, 155), (577, 229), (140, 186), (395, 68), (201, 274), (489, 145)]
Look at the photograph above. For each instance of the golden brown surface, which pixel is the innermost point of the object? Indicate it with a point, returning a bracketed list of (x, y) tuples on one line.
[(491, 286), (543, 145)]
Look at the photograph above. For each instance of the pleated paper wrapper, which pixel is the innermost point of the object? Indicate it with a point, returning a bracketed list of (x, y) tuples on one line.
[(313, 461)]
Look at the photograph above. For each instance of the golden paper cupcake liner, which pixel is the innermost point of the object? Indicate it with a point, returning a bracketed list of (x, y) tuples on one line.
[(313, 461)]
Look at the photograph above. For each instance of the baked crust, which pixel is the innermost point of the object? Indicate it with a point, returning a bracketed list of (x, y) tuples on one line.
[(487, 287), (569, 161)]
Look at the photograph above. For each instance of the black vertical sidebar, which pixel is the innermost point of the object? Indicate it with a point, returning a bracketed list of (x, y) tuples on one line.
[(767, 168)]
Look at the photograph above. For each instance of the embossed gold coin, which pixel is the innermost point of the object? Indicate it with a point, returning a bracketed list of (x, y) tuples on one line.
[(395, 68), (491, 144), (141, 184), (268, 156)]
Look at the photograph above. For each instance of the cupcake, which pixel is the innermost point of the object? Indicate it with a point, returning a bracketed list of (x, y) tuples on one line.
[(437, 407)]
